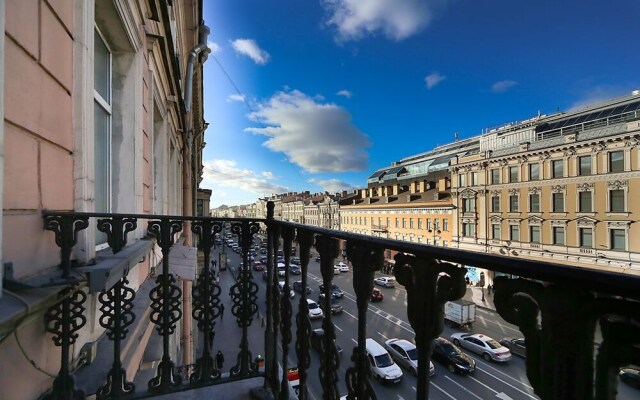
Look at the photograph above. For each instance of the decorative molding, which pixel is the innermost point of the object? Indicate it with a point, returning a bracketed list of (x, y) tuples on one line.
[(513, 221), (570, 180), (534, 219), (535, 190), (618, 224), (129, 23), (585, 187), (514, 192), (559, 222), (632, 142), (618, 184), (558, 188), (598, 148), (496, 218), (495, 193), (503, 163), (468, 194), (586, 222), (569, 152), (545, 156)]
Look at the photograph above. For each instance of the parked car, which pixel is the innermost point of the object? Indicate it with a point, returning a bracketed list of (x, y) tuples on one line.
[(263, 260), (405, 354), (336, 270), (315, 311), (295, 269), (517, 346), (317, 341), (258, 266), (336, 308), (450, 355), (376, 295), (487, 347), (318, 259), (342, 267), (263, 250), (336, 292), (385, 281), (281, 286), (297, 286), (630, 376), (295, 260), (282, 270), (381, 364)]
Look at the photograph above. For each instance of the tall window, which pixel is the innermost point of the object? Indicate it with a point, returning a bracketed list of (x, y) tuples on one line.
[(436, 224), (618, 239), (513, 174), (584, 165), (584, 202), (616, 200), (404, 222), (474, 179), (495, 231), (428, 224), (513, 203), (586, 237), (557, 168), (558, 235), (514, 233), (495, 176), (419, 223), (534, 172), (534, 234), (468, 205), (387, 223), (616, 161), (495, 204), (558, 202), (534, 202), (463, 180), (102, 129), (468, 230), (397, 222), (445, 224)]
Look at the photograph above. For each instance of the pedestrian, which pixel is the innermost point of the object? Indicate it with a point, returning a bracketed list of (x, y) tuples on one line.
[(219, 359)]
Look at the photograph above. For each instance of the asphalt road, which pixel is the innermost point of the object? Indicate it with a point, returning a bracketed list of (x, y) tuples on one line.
[(388, 319)]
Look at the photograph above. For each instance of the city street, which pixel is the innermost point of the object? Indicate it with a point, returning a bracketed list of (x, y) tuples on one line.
[(388, 319)]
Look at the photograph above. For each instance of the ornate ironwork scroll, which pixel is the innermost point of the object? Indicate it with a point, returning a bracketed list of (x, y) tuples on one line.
[(330, 359), (65, 228), (116, 229), (273, 301), (365, 260), (244, 295), (305, 240), (206, 302), (165, 305), (116, 316), (427, 291), (568, 315), (63, 321)]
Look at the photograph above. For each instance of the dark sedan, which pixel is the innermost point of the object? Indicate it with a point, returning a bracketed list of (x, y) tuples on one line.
[(515, 345), (317, 341), (630, 376), (449, 355), (336, 292), (336, 308), (297, 286)]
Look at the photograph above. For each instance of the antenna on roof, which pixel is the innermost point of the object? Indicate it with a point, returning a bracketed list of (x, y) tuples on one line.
[(455, 135)]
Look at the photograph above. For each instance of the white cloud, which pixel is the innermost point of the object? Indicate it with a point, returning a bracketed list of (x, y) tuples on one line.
[(396, 19), (214, 47), (250, 48), (433, 79), (226, 173), (333, 185), (502, 86), (345, 93), (268, 175), (235, 97), (598, 94), (319, 137)]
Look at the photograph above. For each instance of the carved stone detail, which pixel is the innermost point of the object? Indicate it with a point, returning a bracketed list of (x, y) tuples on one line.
[(618, 184), (584, 187), (535, 190), (558, 188)]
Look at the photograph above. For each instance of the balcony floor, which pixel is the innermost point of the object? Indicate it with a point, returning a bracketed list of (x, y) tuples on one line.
[(238, 390)]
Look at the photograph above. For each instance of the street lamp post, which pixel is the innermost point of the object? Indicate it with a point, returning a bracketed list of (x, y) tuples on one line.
[(436, 232)]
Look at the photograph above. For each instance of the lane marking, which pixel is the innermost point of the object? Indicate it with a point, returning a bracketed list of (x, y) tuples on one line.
[(336, 326), (383, 335), (481, 361), (354, 341), (443, 391), (463, 388), (503, 396), (510, 385), (414, 388), (474, 379)]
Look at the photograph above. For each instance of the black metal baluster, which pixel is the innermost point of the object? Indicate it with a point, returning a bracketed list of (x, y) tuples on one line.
[(303, 344), (427, 292), (330, 359), (568, 316), (206, 302), (116, 229), (273, 302), (165, 305), (365, 261), (244, 295), (286, 311), (66, 228), (63, 321), (116, 316)]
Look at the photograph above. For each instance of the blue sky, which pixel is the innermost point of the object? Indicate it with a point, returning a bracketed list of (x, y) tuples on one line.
[(317, 94)]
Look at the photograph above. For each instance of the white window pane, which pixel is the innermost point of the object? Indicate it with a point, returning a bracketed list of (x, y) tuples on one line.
[(101, 69)]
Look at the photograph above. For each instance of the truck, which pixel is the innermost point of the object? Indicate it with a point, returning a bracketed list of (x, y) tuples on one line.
[(460, 312)]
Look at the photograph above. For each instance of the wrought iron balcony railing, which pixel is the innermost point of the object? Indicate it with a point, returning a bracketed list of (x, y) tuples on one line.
[(556, 307)]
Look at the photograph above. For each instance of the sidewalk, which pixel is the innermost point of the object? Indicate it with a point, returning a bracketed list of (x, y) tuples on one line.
[(474, 294)]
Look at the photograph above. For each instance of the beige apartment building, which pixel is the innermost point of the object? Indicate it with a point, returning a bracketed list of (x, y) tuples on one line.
[(562, 188)]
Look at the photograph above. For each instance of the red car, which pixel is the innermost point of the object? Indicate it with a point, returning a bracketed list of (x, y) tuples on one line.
[(258, 266), (376, 295)]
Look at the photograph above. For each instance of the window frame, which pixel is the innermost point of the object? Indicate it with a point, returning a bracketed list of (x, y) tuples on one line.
[(610, 161), (531, 229), (554, 173), (514, 228), (560, 195), (513, 209), (537, 176), (580, 171), (624, 239), (513, 174), (581, 241), (495, 176), (554, 235), (531, 202), (580, 205)]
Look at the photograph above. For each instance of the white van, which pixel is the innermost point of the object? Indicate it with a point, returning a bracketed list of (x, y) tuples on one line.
[(382, 366)]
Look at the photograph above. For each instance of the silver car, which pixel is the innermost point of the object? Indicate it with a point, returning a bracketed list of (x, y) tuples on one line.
[(487, 347), (405, 354)]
